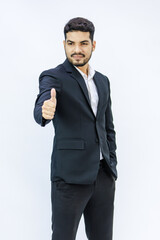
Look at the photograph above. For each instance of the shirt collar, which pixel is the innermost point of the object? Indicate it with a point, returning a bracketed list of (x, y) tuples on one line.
[(91, 72)]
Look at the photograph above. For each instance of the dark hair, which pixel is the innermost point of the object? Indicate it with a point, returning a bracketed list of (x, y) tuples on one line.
[(80, 24)]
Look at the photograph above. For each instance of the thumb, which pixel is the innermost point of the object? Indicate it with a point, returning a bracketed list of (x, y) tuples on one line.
[(53, 94)]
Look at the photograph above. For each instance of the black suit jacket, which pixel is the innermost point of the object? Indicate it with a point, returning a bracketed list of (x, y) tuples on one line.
[(79, 134)]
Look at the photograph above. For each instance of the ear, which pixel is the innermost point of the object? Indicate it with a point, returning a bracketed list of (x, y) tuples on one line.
[(93, 45)]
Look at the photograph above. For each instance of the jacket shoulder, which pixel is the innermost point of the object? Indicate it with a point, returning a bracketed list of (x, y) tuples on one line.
[(104, 77), (52, 72)]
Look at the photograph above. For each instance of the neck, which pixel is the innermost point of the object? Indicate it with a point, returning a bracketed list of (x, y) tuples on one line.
[(84, 69)]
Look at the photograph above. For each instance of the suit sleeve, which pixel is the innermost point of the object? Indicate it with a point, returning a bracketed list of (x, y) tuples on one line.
[(111, 135), (46, 82)]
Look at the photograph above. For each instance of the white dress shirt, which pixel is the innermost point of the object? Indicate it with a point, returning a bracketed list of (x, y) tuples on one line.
[(92, 91)]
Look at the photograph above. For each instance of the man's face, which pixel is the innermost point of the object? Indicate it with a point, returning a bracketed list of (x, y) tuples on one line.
[(78, 47)]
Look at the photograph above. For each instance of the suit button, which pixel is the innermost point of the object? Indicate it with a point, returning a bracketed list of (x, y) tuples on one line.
[(97, 140)]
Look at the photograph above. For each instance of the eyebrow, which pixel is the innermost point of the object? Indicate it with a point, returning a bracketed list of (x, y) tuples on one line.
[(84, 41), (80, 42)]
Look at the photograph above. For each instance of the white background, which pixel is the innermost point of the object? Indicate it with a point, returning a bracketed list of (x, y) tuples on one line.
[(128, 52)]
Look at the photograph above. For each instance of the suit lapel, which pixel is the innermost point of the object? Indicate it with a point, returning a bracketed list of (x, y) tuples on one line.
[(82, 84), (100, 90), (78, 77)]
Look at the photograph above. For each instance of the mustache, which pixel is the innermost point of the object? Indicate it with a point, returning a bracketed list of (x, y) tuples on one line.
[(77, 54)]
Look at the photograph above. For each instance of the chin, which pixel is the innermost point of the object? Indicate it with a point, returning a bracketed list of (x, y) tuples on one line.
[(77, 63)]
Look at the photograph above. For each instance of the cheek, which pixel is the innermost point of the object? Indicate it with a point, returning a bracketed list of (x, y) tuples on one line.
[(89, 51), (67, 51), (70, 50)]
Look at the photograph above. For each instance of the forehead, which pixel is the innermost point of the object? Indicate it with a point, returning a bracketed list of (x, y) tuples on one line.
[(78, 36)]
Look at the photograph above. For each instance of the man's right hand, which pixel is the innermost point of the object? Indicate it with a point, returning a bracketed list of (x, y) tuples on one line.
[(49, 106)]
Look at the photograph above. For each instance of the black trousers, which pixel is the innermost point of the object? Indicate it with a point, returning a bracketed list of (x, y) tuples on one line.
[(95, 201)]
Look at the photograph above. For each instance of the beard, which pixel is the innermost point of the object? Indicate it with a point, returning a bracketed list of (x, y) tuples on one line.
[(78, 62)]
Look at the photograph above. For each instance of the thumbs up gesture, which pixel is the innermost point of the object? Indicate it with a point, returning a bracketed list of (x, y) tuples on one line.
[(49, 106)]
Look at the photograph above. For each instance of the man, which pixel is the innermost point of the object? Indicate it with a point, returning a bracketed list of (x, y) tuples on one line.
[(83, 168)]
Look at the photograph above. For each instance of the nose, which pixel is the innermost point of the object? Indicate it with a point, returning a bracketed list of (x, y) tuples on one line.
[(77, 49)]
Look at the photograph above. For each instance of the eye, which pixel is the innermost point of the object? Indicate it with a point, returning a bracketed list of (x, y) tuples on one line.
[(84, 43), (70, 43)]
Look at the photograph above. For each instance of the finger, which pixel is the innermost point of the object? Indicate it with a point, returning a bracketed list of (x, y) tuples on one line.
[(48, 117), (53, 94), (48, 108), (49, 103), (48, 112)]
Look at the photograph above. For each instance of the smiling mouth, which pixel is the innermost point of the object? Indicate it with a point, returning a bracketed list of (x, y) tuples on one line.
[(77, 56)]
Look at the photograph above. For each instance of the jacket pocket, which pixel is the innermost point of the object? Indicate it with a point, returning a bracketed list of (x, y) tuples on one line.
[(70, 144)]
